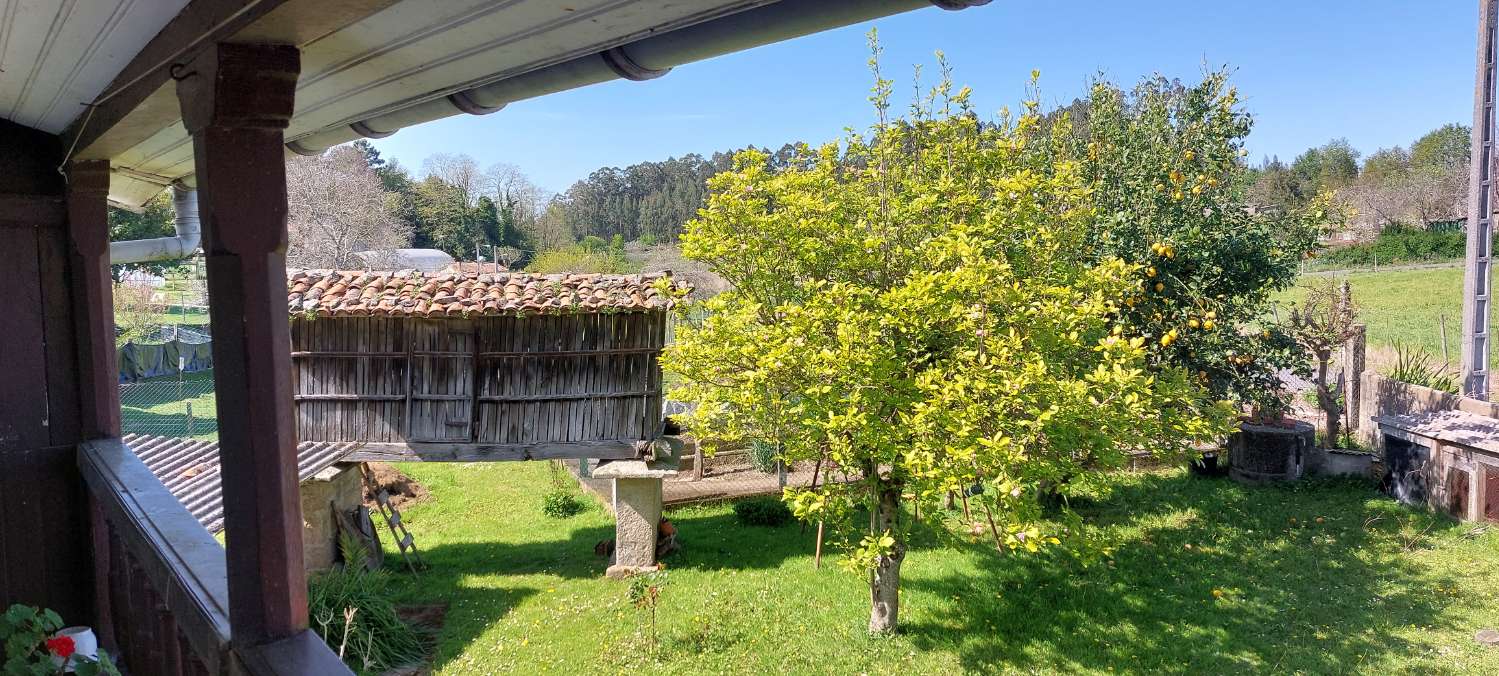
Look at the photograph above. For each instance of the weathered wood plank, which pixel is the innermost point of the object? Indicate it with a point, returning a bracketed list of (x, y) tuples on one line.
[(415, 451), (177, 556)]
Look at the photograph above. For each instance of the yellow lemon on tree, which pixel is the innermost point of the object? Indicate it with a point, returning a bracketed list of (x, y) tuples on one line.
[(1193, 323), (1159, 287), (1150, 271), (1189, 155), (1209, 324)]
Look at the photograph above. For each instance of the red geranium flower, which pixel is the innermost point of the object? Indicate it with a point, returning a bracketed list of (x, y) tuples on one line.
[(61, 646)]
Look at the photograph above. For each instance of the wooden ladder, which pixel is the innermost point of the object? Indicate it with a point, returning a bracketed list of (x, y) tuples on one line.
[(404, 541)]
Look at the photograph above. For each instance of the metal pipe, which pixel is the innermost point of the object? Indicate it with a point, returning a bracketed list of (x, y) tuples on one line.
[(183, 244), (643, 59)]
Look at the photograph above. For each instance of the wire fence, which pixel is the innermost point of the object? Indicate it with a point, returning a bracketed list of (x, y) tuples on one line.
[(174, 406)]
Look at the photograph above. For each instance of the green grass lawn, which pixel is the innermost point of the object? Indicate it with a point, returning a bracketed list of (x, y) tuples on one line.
[(153, 406), (1405, 306), (1374, 588)]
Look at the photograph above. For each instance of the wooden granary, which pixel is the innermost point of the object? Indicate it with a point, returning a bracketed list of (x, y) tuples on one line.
[(469, 366)]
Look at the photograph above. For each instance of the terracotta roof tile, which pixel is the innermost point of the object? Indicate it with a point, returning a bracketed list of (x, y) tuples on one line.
[(343, 293)]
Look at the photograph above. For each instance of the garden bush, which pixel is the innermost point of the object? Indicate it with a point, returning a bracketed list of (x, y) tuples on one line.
[(561, 504), (352, 610), (1400, 244), (762, 512)]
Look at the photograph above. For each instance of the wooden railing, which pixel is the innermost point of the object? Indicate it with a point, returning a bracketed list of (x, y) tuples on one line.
[(162, 582)]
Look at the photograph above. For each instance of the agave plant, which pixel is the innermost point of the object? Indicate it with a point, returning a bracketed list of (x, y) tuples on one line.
[(1415, 366)]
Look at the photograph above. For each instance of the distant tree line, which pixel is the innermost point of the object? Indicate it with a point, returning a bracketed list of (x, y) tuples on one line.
[(1417, 186)]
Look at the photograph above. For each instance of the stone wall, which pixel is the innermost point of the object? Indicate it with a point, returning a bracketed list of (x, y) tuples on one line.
[(1381, 396), (338, 486)]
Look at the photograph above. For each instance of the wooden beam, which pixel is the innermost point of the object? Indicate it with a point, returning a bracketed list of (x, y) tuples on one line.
[(140, 101), (93, 298), (418, 451), (236, 104)]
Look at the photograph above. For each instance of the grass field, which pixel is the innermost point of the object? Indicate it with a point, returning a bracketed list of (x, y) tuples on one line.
[(1404, 306), (1371, 588), (154, 406)]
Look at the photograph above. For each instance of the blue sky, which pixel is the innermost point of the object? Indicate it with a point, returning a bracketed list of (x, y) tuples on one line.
[(1379, 73)]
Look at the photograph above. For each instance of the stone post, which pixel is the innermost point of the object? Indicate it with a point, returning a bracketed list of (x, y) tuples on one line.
[(637, 507), (1353, 378)]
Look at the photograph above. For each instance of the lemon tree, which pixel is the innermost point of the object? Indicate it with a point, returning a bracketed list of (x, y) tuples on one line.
[(1168, 190), (919, 307)]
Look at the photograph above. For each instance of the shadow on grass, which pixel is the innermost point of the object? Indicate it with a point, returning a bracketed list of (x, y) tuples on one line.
[(711, 542), (1303, 595)]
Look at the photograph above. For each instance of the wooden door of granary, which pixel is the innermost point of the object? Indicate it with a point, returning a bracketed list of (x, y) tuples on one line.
[(442, 380)]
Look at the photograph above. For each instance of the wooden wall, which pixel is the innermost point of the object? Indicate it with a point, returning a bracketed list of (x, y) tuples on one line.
[(44, 556), (493, 380)]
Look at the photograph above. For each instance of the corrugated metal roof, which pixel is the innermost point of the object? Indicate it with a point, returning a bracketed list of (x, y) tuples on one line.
[(189, 468)]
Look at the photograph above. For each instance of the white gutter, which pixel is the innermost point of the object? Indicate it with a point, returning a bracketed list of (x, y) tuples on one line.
[(184, 244)]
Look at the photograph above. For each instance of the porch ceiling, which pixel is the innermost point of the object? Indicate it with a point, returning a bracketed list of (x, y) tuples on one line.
[(56, 55), (369, 67)]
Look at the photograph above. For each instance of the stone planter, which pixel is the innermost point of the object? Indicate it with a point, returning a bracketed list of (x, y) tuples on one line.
[(1342, 462), (1268, 453)]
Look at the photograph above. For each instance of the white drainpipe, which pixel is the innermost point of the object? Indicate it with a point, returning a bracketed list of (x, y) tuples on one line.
[(184, 220)]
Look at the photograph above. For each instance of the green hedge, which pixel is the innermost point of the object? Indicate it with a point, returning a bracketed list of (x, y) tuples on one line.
[(1400, 244)]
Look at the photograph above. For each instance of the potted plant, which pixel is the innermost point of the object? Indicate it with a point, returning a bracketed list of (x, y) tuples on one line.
[(37, 643)]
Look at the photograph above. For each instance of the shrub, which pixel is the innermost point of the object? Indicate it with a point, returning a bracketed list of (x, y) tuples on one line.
[(762, 456), (353, 611), (561, 504), (1401, 244), (1414, 366), (762, 512), (579, 258)]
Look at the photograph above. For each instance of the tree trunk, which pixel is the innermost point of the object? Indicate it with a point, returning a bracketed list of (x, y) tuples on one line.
[(1327, 400), (884, 581)]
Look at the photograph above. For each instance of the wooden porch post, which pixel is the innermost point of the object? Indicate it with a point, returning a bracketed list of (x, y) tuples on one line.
[(93, 298), (93, 326), (236, 101)]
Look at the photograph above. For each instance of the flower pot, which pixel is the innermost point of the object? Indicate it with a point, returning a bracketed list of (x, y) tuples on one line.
[(1212, 463), (85, 646), (1264, 453)]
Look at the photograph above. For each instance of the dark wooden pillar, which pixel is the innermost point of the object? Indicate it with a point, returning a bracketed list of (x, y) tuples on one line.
[(44, 556), (236, 102), (93, 299)]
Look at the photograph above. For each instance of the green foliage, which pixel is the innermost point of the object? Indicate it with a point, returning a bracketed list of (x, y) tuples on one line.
[(928, 306), (351, 609), (561, 504), (1449, 145), (762, 512), (1400, 244), (645, 594), (25, 630), (1416, 367), (1168, 189), (581, 259), (153, 220), (762, 455)]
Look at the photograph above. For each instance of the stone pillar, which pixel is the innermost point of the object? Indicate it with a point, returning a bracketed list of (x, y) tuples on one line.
[(236, 102), (637, 511), (637, 506), (1353, 378)]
